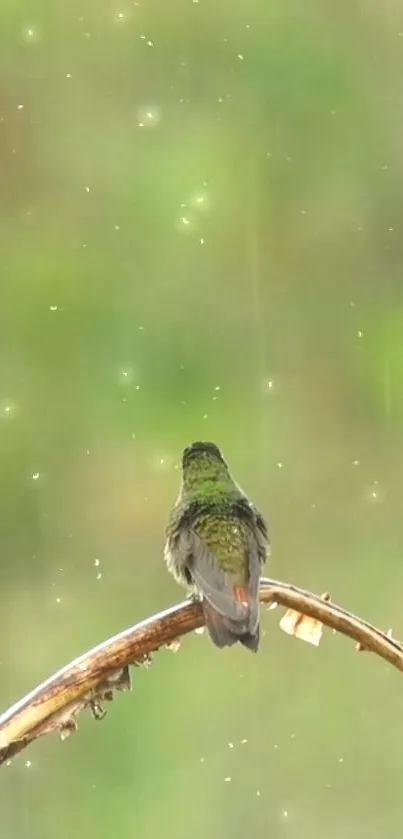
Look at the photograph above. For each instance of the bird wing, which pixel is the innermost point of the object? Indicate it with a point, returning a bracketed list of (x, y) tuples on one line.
[(261, 535), (223, 592)]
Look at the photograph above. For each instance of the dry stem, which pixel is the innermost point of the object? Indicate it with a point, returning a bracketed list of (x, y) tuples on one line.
[(94, 676)]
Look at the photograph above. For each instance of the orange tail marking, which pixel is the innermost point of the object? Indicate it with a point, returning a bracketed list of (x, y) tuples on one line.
[(241, 595)]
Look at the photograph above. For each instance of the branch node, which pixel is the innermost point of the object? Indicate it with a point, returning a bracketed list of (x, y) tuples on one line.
[(145, 660), (174, 645), (120, 679), (97, 711), (67, 728)]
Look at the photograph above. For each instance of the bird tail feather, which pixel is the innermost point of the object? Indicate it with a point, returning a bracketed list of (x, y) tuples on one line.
[(225, 632)]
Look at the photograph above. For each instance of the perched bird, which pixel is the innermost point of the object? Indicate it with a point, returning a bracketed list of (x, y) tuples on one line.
[(216, 545)]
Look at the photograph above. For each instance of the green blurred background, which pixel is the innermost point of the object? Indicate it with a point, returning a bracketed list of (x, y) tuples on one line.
[(201, 237)]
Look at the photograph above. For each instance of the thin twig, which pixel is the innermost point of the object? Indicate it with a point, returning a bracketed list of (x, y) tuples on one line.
[(93, 677)]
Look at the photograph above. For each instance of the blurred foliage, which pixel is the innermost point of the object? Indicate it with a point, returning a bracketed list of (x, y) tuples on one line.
[(201, 237)]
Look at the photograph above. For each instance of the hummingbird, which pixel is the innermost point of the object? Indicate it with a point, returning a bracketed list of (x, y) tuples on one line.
[(216, 544)]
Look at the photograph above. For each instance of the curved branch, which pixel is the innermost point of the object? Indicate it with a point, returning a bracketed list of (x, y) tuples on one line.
[(95, 676)]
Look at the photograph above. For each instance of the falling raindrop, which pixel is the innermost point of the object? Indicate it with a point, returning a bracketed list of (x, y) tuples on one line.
[(375, 493), (31, 34), (8, 409), (126, 374), (149, 116)]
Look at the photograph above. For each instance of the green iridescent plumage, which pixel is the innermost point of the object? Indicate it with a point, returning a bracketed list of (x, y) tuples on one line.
[(216, 544)]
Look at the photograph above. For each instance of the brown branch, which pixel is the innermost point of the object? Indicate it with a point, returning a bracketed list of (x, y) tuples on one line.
[(93, 677)]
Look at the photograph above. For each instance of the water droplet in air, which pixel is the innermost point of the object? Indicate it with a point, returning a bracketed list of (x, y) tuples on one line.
[(148, 116), (8, 409), (268, 386), (200, 201), (126, 374), (375, 493), (31, 34)]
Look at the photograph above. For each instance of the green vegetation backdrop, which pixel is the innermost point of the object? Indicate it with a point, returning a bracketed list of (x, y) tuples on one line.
[(201, 237)]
